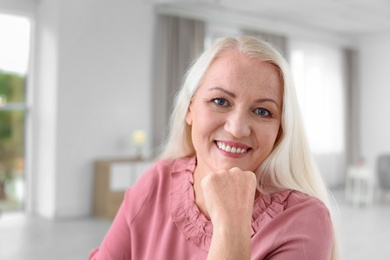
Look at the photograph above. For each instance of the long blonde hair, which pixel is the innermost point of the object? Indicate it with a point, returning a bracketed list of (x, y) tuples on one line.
[(290, 164)]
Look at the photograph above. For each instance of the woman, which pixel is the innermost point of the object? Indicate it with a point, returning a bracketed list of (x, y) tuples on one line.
[(236, 179)]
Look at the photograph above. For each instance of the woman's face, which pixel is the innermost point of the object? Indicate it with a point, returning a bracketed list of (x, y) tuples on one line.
[(235, 113)]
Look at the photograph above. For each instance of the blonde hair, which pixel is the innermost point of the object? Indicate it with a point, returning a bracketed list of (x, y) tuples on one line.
[(290, 164)]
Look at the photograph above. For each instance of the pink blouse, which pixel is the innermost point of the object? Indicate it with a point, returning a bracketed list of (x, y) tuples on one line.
[(159, 219)]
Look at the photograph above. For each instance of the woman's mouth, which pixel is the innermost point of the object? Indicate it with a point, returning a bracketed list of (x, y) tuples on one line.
[(231, 148)]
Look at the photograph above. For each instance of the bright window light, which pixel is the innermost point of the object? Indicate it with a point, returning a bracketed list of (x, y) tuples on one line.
[(14, 43), (318, 75)]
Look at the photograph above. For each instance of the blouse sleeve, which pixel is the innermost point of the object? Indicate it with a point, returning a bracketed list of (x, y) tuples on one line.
[(117, 242), (307, 233)]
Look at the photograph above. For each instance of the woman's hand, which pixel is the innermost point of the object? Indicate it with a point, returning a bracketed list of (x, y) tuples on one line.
[(229, 198)]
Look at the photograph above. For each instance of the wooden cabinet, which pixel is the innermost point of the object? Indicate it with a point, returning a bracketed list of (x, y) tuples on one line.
[(111, 179)]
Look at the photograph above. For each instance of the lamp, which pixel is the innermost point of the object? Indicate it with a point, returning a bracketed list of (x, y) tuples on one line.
[(139, 139)]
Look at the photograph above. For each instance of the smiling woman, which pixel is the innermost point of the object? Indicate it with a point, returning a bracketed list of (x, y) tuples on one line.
[(236, 179)]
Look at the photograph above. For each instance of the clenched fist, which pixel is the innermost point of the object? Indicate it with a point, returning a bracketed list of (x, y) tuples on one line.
[(229, 197)]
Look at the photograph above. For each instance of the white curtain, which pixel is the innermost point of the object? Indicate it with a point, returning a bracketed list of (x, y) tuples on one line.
[(178, 42), (318, 73), (353, 106)]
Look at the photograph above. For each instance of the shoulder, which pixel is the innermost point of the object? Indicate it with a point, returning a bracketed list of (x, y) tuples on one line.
[(163, 168), (308, 214), (291, 210), (307, 224), (152, 176), (147, 186), (300, 227), (154, 184), (298, 201)]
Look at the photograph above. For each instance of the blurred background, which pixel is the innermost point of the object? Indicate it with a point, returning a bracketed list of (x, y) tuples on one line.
[(86, 89)]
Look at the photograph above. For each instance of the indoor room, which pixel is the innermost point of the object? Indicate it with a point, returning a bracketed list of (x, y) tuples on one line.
[(86, 94)]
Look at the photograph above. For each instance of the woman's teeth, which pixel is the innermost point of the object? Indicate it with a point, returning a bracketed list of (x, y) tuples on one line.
[(230, 149)]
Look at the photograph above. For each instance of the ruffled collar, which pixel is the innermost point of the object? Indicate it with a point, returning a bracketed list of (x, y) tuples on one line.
[(193, 224)]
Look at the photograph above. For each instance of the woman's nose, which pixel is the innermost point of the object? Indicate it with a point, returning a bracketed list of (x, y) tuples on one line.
[(237, 124)]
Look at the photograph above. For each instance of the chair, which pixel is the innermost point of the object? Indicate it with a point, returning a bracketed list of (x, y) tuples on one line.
[(383, 171), (359, 186)]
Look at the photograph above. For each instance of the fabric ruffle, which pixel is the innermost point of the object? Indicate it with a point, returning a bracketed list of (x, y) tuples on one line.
[(266, 207), (193, 224), (186, 215)]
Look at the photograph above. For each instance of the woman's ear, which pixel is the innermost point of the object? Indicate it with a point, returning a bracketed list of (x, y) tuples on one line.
[(189, 116)]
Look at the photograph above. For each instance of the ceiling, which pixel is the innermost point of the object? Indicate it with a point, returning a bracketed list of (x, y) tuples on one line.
[(350, 17)]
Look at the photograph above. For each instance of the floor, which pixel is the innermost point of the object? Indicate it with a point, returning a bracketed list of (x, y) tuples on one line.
[(24, 238), (364, 233)]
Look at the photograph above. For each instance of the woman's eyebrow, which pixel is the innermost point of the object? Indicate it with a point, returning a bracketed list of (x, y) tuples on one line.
[(223, 90), (260, 100)]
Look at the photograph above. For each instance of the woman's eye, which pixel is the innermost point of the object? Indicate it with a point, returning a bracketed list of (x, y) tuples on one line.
[(263, 112), (220, 102)]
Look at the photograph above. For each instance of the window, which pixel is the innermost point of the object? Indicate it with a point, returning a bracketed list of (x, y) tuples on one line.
[(14, 54), (318, 76)]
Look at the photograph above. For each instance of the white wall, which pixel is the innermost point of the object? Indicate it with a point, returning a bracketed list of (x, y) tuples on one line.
[(40, 178), (375, 96), (18, 7), (92, 89)]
